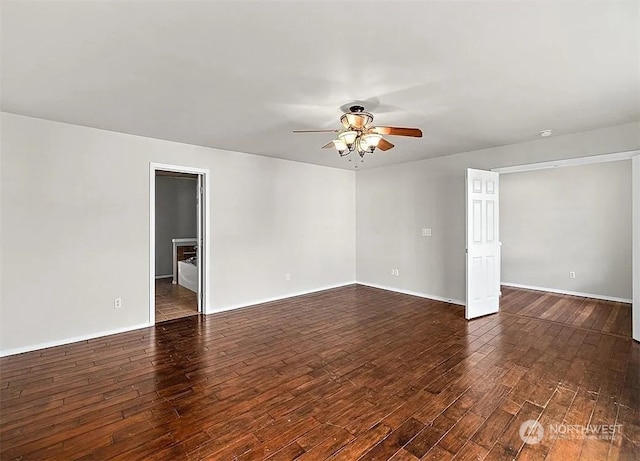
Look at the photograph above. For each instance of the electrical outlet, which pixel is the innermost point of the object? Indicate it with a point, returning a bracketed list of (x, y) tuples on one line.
[(426, 232), (287, 276), (117, 303), (572, 275), (393, 272)]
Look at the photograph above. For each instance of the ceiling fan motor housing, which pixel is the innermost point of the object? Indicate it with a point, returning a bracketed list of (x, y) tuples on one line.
[(356, 118)]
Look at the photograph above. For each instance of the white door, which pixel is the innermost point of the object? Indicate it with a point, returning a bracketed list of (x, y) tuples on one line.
[(200, 251), (483, 244)]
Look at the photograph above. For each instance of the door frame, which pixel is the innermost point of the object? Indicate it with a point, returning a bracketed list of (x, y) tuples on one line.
[(205, 216), (634, 157)]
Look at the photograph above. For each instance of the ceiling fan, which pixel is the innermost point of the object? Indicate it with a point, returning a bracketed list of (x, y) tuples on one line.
[(357, 134)]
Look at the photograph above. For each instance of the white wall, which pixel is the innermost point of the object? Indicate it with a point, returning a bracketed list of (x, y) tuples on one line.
[(176, 217), (558, 220), (75, 224), (395, 202), (75, 228)]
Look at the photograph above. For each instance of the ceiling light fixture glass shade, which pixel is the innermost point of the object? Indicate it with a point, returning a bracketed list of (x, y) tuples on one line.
[(361, 147), (341, 147), (371, 140), (348, 137)]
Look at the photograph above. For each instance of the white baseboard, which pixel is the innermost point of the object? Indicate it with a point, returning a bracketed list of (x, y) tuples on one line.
[(170, 276), (61, 342), (278, 298), (414, 293), (75, 339), (566, 292)]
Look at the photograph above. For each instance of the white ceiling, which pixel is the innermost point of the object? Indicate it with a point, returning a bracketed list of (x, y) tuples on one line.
[(242, 75)]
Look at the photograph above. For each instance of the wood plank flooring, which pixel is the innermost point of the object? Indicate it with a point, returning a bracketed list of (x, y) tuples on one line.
[(174, 301), (344, 374), (592, 314)]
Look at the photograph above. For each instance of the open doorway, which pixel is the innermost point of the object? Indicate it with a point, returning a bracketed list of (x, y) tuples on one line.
[(625, 298), (178, 231), (568, 235)]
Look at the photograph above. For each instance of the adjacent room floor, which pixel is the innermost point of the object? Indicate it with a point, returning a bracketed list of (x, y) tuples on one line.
[(592, 314), (349, 373), (174, 301)]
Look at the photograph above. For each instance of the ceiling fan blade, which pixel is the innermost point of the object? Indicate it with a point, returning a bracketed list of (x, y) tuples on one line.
[(327, 145), (397, 131), (383, 144), (315, 131)]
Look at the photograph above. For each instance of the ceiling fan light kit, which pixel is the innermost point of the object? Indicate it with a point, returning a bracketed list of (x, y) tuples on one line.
[(358, 136)]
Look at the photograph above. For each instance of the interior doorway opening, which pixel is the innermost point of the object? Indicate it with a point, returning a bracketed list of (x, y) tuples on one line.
[(634, 157), (178, 236)]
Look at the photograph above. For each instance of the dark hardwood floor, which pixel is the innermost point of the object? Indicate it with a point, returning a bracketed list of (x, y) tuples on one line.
[(174, 301), (350, 373), (592, 314)]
